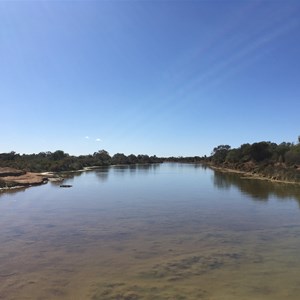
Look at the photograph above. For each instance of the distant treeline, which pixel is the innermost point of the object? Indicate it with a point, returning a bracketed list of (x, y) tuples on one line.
[(181, 159), (60, 161), (268, 158)]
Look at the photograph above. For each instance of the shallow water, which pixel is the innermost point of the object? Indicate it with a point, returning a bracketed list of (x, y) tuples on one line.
[(170, 231)]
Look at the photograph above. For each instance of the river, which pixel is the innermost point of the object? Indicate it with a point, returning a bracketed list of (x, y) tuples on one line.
[(163, 231)]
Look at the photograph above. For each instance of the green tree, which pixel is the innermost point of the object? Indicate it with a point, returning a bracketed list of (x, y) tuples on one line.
[(281, 150), (260, 151), (103, 158), (234, 155), (132, 159), (58, 155), (119, 158), (292, 157), (219, 153)]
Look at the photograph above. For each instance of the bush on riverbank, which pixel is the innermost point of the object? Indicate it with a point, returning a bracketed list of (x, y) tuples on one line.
[(267, 159)]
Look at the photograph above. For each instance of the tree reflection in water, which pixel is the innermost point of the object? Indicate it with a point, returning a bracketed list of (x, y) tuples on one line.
[(260, 190)]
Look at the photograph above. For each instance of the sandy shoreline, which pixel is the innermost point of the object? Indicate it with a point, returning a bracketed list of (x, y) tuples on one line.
[(19, 179), (249, 175)]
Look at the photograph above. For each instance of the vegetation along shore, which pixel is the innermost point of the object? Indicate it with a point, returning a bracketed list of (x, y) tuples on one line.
[(32, 169), (261, 160)]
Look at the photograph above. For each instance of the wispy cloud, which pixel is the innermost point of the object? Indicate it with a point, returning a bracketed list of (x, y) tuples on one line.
[(98, 140), (87, 137)]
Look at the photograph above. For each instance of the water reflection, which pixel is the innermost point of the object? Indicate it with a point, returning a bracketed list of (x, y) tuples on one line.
[(133, 169), (260, 190), (102, 173), (13, 191)]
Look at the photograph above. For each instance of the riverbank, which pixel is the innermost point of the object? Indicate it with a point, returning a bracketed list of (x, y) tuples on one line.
[(273, 173), (11, 178)]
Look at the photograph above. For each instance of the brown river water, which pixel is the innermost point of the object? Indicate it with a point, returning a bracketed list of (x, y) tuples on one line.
[(169, 231)]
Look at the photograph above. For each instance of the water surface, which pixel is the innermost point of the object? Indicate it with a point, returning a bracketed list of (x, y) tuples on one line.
[(169, 231)]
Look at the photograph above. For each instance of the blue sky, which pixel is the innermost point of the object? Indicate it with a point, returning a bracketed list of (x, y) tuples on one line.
[(157, 77)]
